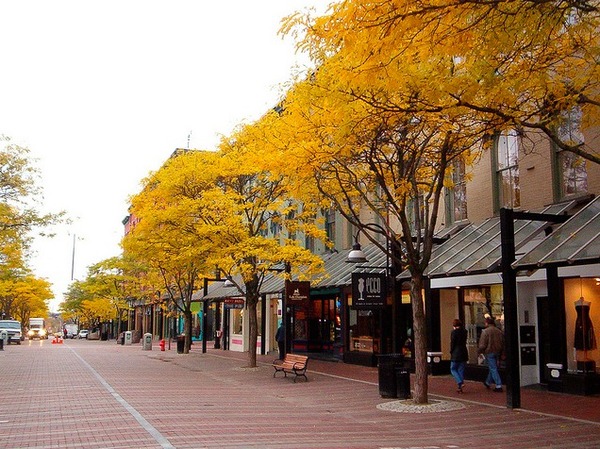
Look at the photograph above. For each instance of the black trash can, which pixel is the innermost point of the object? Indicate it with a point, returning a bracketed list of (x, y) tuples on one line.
[(180, 344), (403, 382), (388, 365)]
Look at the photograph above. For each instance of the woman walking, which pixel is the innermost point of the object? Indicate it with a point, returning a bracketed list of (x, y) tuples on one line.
[(458, 353)]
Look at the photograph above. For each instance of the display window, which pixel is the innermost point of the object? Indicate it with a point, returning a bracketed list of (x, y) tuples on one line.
[(582, 305), (479, 302), (364, 331), (237, 322)]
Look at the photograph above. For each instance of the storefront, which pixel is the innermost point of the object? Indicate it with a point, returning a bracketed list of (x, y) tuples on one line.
[(556, 296)]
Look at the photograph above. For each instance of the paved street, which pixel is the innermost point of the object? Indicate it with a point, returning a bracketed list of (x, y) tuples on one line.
[(94, 394)]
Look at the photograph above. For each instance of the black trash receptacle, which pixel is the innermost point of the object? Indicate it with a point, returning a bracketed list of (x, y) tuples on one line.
[(387, 366), (403, 382), (180, 344)]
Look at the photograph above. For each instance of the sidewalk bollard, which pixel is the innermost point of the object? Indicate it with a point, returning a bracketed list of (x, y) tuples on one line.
[(128, 337), (4, 338), (147, 344)]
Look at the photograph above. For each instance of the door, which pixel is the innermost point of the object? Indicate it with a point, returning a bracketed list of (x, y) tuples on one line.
[(543, 315)]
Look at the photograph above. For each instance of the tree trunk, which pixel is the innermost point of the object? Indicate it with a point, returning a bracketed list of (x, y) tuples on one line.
[(187, 331), (252, 335), (419, 340), (251, 303)]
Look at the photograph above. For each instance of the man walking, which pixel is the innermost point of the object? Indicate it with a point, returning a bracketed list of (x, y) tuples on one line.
[(491, 345)]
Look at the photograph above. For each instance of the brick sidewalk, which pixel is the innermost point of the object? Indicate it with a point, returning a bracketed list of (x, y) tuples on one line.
[(90, 394)]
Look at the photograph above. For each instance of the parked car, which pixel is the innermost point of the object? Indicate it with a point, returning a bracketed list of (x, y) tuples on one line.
[(13, 329), (83, 333)]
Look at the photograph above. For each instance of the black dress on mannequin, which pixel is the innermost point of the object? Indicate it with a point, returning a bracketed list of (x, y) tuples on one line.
[(585, 340)]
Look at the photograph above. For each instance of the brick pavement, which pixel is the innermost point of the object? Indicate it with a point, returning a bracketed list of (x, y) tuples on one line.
[(92, 394)]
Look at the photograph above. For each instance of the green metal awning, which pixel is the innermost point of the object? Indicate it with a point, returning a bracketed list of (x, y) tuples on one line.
[(576, 242), (476, 249)]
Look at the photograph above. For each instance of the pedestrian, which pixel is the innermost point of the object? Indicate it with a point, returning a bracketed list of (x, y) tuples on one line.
[(491, 345), (280, 337), (458, 353)]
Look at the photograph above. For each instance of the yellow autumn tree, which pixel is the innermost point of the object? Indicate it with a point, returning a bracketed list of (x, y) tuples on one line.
[(519, 64), (26, 297), (164, 240), (213, 210), (259, 196), (115, 280), (372, 128)]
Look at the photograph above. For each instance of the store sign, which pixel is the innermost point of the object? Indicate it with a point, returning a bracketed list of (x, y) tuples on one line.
[(369, 290), (234, 303), (297, 292)]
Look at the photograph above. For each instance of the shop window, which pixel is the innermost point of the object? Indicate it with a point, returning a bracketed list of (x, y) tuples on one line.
[(479, 301), (507, 192), (364, 335), (237, 321)]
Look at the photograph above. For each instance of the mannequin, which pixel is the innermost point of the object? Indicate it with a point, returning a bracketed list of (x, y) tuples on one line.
[(585, 339)]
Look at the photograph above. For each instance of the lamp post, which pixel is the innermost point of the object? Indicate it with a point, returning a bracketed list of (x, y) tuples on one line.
[(357, 256)]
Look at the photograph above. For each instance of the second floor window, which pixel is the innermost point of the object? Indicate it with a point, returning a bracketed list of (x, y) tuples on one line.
[(570, 170), (330, 225), (506, 170), (456, 196)]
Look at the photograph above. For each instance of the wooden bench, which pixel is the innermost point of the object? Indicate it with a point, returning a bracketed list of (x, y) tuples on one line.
[(292, 364)]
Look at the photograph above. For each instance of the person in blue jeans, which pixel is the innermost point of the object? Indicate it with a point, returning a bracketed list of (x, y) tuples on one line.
[(458, 353), (491, 345)]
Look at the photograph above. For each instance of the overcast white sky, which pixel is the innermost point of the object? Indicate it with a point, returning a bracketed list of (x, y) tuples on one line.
[(102, 92)]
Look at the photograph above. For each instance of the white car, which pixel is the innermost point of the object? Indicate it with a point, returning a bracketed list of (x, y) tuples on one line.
[(83, 333)]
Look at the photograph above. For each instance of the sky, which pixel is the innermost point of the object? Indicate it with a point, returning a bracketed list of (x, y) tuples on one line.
[(102, 92)]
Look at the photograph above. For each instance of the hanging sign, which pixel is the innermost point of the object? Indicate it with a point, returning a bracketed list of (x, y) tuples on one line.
[(369, 290), (297, 292), (234, 303)]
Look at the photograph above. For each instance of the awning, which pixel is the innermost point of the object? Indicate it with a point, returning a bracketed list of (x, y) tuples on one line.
[(576, 242), (476, 249), (338, 274)]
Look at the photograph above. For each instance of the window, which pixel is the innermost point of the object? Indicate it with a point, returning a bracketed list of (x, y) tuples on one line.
[(456, 195), (507, 192), (237, 322), (479, 301), (330, 225), (570, 171)]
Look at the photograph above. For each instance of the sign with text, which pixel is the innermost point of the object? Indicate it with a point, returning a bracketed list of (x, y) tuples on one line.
[(369, 290), (234, 303), (297, 292)]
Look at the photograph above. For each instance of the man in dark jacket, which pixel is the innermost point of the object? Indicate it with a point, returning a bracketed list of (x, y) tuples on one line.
[(280, 337), (458, 353), (491, 345)]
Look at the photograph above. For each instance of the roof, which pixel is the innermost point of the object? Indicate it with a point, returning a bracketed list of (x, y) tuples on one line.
[(338, 274), (476, 249), (575, 242)]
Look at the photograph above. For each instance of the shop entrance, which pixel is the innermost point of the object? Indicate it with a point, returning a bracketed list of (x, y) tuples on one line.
[(543, 314), (317, 327)]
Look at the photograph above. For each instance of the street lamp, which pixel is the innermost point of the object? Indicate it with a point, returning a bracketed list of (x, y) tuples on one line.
[(358, 256)]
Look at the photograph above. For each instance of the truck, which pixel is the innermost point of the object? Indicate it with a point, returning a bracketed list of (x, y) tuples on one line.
[(72, 330), (12, 329), (37, 329)]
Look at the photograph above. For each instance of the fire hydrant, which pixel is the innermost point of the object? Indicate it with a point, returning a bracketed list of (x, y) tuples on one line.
[(161, 343)]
